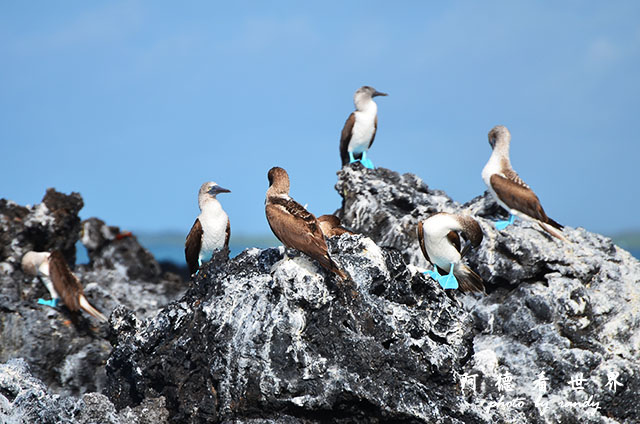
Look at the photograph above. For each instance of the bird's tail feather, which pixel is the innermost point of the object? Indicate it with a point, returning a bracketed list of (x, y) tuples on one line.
[(84, 304), (468, 280), (554, 224), (549, 229)]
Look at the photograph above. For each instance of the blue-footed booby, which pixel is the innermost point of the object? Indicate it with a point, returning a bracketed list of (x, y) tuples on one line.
[(59, 280), (210, 231), (293, 225), (509, 190), (440, 244), (331, 226), (360, 129)]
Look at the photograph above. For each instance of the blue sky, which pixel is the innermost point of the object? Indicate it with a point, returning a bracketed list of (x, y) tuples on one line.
[(135, 104)]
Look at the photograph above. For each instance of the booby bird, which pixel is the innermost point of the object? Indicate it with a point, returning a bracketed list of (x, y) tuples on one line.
[(360, 129), (440, 244), (59, 280), (331, 226), (509, 190), (293, 225), (210, 231)]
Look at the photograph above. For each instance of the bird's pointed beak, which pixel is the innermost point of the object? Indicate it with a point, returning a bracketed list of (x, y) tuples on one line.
[(378, 93), (217, 189)]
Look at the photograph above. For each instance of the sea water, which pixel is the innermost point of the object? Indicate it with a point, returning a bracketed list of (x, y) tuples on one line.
[(172, 250)]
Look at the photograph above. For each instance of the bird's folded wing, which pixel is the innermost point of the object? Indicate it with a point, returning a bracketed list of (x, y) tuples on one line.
[(518, 197), (192, 246), (345, 138), (296, 227), (66, 284)]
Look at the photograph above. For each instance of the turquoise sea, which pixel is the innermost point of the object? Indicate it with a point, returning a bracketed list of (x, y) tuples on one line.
[(169, 247)]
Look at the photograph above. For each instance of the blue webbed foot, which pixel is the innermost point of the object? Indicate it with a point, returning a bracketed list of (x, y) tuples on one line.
[(366, 161), (501, 225), (52, 303), (352, 159), (433, 273), (448, 281)]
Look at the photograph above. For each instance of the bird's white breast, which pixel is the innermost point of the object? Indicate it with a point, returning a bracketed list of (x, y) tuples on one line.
[(363, 129), (494, 166), (440, 250), (214, 228)]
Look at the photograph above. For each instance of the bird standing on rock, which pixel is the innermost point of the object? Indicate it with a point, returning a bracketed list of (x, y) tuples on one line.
[(440, 244), (59, 280), (360, 129), (293, 225), (331, 226), (210, 231), (509, 190)]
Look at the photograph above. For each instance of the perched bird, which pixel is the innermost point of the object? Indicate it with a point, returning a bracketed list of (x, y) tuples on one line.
[(360, 129), (59, 280), (509, 190), (211, 230), (293, 225), (440, 244), (331, 226)]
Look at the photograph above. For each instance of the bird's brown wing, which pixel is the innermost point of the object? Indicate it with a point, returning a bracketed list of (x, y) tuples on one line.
[(472, 233), (454, 239), (375, 130), (421, 241), (518, 197), (330, 226), (192, 246), (512, 175), (66, 284), (295, 226), (228, 234), (298, 228), (345, 138)]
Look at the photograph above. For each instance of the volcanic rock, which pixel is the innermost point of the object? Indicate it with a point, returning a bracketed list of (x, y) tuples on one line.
[(269, 336), (67, 350)]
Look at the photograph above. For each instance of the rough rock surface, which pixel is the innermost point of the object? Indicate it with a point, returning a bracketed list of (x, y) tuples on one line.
[(263, 336), (66, 350), (269, 336), (25, 399), (556, 311)]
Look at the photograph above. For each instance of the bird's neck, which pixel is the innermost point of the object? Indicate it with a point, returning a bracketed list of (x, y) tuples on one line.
[(210, 205), (274, 194), (366, 105), (501, 154)]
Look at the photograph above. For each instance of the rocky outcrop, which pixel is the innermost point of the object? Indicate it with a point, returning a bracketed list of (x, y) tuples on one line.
[(68, 351), (25, 399), (556, 311), (269, 336)]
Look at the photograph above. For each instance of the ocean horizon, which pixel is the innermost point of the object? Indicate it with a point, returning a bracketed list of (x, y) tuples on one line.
[(169, 246)]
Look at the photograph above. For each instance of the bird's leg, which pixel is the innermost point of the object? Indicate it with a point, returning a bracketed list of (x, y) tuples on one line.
[(433, 274), (501, 225), (366, 161), (52, 303), (352, 159), (449, 281)]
